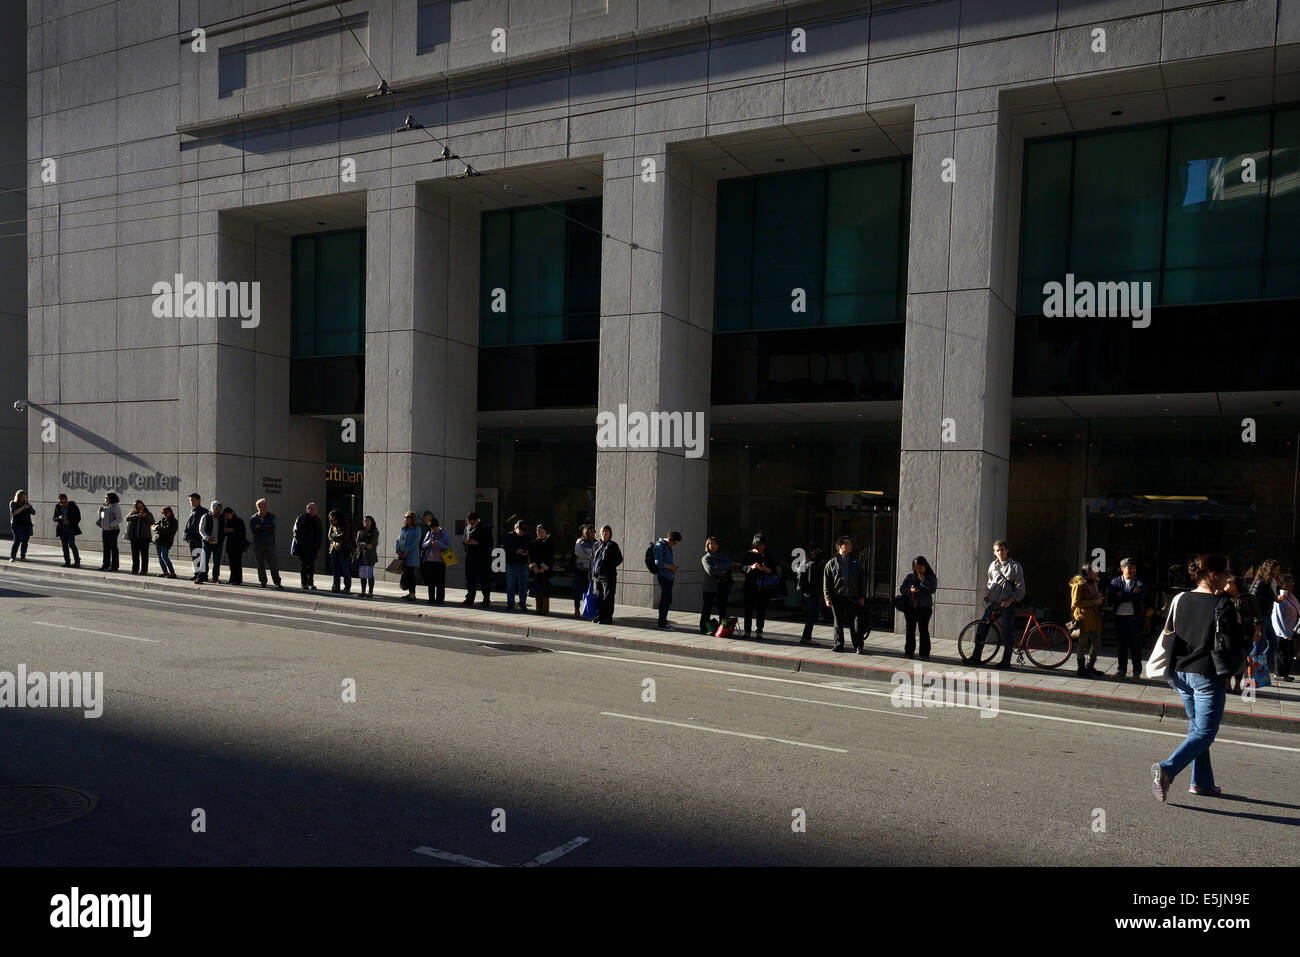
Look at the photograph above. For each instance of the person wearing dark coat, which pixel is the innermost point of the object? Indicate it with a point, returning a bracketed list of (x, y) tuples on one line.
[(917, 591), (604, 572), (198, 529), (478, 559), (307, 537), (235, 536), (164, 534), (67, 526), (541, 562), (757, 567), (810, 592), (139, 532)]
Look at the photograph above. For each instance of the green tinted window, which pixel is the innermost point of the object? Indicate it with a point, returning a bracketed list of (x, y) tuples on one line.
[(540, 266), (329, 294), (1045, 219), (811, 248), (1284, 207), (1214, 242)]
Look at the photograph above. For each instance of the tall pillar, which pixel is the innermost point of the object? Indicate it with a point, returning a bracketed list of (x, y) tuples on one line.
[(422, 252), (656, 339), (958, 360)]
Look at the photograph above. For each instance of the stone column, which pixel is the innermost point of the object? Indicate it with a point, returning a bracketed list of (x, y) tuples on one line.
[(422, 253), (656, 337), (960, 339)]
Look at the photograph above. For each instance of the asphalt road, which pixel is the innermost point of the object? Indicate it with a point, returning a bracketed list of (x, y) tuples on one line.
[(213, 705)]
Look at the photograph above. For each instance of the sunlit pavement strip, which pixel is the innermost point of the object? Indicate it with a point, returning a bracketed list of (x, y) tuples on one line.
[(91, 631), (828, 685), (538, 861), (737, 734), (831, 704)]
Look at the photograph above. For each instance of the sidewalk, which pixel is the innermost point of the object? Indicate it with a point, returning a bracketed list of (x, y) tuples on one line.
[(1276, 707)]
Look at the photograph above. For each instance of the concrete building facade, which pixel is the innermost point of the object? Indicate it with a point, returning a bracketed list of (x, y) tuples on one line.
[(211, 140)]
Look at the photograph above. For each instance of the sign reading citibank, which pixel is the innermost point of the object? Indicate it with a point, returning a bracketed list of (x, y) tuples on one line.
[(157, 482)]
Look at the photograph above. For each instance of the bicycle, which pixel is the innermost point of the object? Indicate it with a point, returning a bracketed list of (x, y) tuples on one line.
[(1046, 644)]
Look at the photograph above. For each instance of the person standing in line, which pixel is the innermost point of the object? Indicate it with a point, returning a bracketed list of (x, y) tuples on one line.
[(340, 553), (110, 519), (844, 583), (541, 562), (717, 583), (1194, 619), (234, 537), (407, 549), (478, 559), (1286, 613), (1248, 614), (139, 532), (67, 526), (195, 535), (262, 528), (164, 534), (1006, 588), (433, 567), (516, 546), (1127, 595), (21, 514), (1085, 608), (1265, 587), (367, 555), (917, 591), (756, 568), (604, 572), (583, 549), (216, 542), (665, 570), (307, 536), (809, 583)]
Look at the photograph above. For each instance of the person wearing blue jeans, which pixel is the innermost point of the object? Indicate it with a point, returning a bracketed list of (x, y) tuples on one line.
[(1006, 588), (665, 570), (516, 548), (1194, 618)]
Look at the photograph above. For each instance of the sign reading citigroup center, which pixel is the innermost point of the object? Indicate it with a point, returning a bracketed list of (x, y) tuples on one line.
[(157, 482)]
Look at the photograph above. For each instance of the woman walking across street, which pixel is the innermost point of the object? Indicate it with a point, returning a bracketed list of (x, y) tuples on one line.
[(21, 514), (139, 532), (541, 562), (164, 534), (367, 555), (1085, 607), (408, 550), (340, 553), (432, 565), (917, 592), (110, 519), (1192, 670)]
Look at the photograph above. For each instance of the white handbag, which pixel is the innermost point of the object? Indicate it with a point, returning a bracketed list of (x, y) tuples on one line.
[(1158, 664)]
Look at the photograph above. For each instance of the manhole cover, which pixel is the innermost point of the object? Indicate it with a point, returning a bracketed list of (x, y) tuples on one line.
[(499, 647), (32, 808)]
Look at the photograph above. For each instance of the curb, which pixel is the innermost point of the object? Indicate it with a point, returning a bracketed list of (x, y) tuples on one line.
[(504, 626)]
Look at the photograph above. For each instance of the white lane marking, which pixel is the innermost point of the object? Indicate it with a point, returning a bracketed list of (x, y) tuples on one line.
[(454, 858), (738, 734), (829, 704), (91, 631), (555, 852), (830, 686)]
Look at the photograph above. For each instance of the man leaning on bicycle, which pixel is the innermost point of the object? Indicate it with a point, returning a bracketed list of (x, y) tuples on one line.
[(1006, 588)]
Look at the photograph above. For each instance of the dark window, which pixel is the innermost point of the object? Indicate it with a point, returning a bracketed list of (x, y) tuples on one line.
[(329, 294), (539, 275), (839, 235)]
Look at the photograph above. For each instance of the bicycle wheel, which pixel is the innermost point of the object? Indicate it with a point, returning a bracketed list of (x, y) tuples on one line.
[(966, 642), (1048, 645)]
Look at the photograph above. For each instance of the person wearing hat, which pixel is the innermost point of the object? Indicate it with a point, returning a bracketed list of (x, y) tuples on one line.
[(1127, 596)]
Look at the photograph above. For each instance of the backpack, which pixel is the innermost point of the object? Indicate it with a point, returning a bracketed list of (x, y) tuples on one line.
[(650, 559)]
